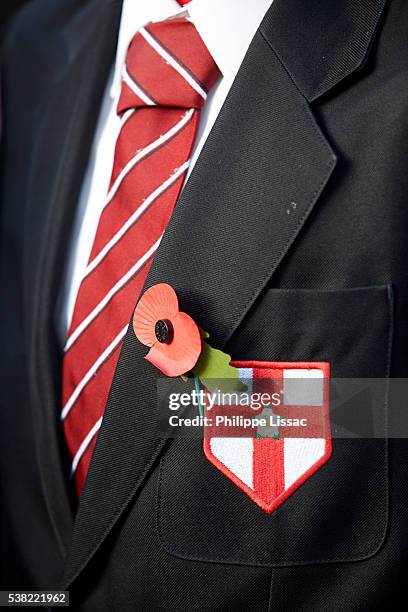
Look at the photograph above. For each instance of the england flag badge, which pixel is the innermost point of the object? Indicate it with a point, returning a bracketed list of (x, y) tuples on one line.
[(271, 439)]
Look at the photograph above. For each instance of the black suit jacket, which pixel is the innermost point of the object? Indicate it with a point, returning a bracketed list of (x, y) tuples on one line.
[(289, 243)]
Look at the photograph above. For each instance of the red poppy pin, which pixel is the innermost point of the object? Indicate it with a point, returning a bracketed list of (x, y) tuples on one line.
[(173, 336), (177, 345)]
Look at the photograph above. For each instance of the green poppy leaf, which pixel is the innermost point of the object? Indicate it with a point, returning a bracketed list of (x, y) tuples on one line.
[(215, 372)]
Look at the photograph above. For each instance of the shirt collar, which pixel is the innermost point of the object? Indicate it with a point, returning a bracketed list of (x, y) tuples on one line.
[(212, 19)]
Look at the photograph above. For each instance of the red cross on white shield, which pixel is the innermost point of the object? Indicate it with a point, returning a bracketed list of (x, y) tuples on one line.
[(271, 461)]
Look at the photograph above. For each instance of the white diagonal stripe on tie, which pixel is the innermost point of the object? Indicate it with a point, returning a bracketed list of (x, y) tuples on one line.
[(149, 149), (88, 376), (135, 88), (101, 305), (84, 445), (173, 63), (138, 212)]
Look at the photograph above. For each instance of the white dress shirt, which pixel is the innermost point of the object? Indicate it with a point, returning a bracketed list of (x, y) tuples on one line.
[(227, 28)]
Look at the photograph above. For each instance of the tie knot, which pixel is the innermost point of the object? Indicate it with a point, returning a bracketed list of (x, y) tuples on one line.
[(167, 64)]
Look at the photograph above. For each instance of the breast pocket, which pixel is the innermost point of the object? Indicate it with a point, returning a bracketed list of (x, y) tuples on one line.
[(340, 513)]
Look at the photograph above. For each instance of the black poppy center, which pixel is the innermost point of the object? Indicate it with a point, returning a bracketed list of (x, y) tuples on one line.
[(164, 331)]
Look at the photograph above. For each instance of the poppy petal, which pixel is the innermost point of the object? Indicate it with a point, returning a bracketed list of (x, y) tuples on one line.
[(182, 353), (158, 302)]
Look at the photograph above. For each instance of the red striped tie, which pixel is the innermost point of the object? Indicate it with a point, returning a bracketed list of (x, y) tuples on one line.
[(167, 75)]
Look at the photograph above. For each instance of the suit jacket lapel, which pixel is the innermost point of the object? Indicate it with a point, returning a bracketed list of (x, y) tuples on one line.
[(259, 176), (65, 110)]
